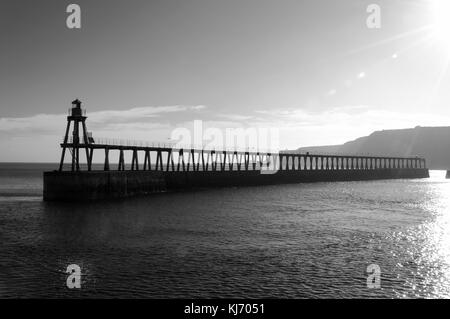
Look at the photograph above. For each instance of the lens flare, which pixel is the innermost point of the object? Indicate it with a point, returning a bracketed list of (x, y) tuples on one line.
[(441, 13)]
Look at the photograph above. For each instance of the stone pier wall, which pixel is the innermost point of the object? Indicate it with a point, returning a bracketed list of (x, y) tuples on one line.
[(96, 185)]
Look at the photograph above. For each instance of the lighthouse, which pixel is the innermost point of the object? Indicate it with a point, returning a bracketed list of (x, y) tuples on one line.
[(76, 117)]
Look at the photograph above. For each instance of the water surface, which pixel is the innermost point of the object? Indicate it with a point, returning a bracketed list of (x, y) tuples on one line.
[(286, 241)]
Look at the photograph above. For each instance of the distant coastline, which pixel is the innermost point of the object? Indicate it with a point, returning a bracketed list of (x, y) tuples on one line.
[(432, 143)]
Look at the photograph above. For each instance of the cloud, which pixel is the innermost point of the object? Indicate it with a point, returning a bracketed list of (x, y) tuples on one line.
[(139, 114), (40, 123), (236, 117), (140, 118), (337, 125), (354, 115), (297, 127)]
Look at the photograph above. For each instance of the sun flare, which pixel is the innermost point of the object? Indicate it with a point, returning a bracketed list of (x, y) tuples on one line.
[(441, 15)]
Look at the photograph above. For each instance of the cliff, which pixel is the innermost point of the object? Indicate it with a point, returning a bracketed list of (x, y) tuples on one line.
[(432, 143)]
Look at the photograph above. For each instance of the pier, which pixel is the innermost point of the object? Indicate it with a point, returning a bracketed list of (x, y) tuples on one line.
[(166, 167)]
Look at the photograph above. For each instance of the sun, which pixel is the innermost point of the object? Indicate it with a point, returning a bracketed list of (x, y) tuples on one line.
[(441, 23)]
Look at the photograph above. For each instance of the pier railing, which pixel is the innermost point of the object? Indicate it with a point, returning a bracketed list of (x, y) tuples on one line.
[(116, 142), (174, 157)]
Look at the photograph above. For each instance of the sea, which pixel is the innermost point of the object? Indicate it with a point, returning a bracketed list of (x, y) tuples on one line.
[(365, 239)]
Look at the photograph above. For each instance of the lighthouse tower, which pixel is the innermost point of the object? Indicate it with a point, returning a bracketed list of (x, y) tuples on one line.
[(77, 116)]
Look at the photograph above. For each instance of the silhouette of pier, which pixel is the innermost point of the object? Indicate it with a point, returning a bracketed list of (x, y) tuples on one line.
[(174, 158), (167, 166)]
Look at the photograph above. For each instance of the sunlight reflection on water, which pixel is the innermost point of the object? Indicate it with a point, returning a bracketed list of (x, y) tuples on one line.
[(426, 261), (312, 240)]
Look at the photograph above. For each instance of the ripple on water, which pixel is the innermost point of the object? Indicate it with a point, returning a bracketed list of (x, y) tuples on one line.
[(301, 240)]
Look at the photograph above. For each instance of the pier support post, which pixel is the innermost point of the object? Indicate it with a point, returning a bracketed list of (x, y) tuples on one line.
[(193, 159), (66, 137), (121, 166), (210, 159), (180, 156), (246, 160), (86, 143), (134, 161), (203, 160), (106, 166), (159, 163), (147, 160), (90, 156), (219, 159), (239, 161), (222, 157)]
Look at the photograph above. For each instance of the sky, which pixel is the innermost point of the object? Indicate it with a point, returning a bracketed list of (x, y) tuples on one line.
[(312, 69)]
